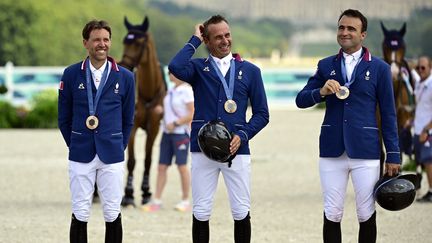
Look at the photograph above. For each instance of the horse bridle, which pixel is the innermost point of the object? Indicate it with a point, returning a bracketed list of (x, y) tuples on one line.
[(135, 61), (398, 90)]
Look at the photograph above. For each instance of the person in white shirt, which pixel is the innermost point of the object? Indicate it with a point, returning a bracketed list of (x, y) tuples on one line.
[(423, 121), (178, 113)]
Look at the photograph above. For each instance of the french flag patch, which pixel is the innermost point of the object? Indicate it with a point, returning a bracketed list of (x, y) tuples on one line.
[(61, 85)]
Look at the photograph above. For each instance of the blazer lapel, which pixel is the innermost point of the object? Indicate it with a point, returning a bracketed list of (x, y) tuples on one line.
[(212, 73), (363, 65), (113, 75), (337, 69)]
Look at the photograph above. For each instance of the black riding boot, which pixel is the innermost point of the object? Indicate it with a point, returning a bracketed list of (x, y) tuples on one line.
[(200, 231), (78, 231), (368, 230), (242, 230), (331, 231), (114, 231)]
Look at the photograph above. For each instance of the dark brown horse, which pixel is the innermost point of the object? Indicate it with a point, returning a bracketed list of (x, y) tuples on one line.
[(403, 84), (140, 55)]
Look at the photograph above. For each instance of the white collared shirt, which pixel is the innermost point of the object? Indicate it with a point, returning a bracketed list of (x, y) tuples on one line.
[(423, 112), (224, 63), (351, 61), (97, 73)]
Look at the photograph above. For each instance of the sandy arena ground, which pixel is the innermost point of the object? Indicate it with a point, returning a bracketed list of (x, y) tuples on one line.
[(286, 197)]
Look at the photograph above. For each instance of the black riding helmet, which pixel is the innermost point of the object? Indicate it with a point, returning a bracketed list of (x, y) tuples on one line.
[(395, 193), (214, 140)]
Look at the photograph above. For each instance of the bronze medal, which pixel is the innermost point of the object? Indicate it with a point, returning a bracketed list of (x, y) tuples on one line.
[(230, 106), (92, 122), (343, 93)]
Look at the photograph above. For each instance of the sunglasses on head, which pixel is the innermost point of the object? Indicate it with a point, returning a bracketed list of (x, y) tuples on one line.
[(422, 68)]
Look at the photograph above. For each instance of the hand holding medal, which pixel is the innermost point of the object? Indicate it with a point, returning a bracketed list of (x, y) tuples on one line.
[(333, 87), (330, 87)]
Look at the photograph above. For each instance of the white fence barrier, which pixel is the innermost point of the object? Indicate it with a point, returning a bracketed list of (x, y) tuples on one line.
[(282, 84), (24, 82)]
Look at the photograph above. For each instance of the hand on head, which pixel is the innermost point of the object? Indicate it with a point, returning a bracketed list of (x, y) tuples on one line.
[(199, 29)]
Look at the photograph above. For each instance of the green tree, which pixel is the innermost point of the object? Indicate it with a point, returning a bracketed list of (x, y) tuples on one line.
[(16, 33)]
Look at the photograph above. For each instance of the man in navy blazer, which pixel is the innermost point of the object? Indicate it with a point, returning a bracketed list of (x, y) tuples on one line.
[(96, 109), (353, 84), (223, 86)]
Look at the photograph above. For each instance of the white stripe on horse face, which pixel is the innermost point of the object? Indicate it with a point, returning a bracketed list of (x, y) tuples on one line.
[(393, 64)]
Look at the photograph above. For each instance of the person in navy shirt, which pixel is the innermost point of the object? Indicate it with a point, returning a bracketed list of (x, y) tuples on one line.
[(95, 116), (352, 84), (223, 86)]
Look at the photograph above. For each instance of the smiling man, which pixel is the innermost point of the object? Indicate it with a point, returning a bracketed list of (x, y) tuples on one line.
[(95, 116), (352, 83), (223, 85)]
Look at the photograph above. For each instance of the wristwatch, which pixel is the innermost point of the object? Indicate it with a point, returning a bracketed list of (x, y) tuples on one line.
[(176, 124)]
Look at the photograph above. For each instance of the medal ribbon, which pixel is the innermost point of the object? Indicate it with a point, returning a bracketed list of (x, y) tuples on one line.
[(92, 108), (229, 88), (344, 73)]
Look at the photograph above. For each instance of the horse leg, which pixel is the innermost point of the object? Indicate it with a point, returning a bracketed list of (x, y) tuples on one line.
[(145, 186), (128, 198)]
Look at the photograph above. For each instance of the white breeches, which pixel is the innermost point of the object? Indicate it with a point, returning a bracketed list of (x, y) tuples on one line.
[(109, 180), (204, 177), (334, 174)]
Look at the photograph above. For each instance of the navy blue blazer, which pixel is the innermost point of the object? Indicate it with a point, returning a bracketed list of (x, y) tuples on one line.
[(351, 125), (115, 112), (210, 96)]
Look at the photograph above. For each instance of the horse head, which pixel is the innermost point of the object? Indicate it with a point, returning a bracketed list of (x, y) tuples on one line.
[(394, 54), (134, 43), (393, 45)]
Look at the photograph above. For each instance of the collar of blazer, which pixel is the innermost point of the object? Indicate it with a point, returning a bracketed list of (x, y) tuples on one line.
[(236, 57), (113, 66), (367, 56)]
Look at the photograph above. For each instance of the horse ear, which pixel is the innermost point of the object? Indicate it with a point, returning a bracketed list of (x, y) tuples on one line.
[(384, 28), (403, 29), (126, 23), (145, 24)]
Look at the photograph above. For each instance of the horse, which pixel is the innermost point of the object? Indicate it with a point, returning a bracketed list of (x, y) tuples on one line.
[(394, 47), (140, 54)]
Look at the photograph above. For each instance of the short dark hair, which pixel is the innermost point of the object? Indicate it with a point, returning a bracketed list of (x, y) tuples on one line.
[(355, 14), (95, 25), (215, 19)]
